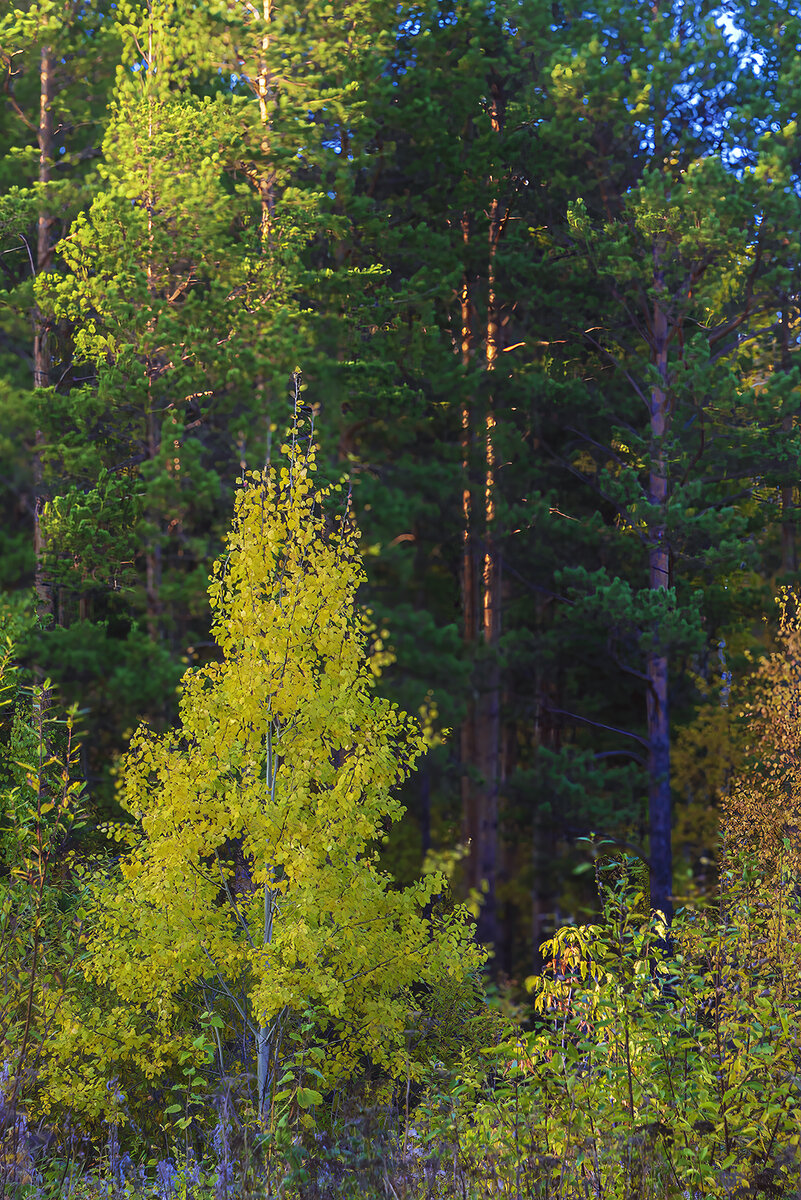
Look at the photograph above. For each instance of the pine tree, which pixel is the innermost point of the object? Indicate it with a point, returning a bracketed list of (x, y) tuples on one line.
[(442, 166), (57, 65), (671, 244)]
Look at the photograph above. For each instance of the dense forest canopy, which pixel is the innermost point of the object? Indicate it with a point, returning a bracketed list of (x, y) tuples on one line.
[(537, 264), (526, 274)]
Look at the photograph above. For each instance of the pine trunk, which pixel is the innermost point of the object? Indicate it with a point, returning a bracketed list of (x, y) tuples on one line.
[(266, 100), (480, 586), (660, 807), (153, 604), (469, 576), (153, 551), (547, 733), (41, 353), (789, 544), (488, 717), (481, 597)]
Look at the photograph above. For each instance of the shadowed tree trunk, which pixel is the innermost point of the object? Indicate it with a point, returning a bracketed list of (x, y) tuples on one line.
[(660, 809), (789, 545), (41, 353)]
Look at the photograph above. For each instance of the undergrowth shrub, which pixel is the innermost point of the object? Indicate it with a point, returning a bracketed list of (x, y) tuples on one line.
[(41, 808), (661, 1064)]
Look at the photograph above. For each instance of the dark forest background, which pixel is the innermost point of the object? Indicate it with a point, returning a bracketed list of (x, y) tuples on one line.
[(539, 266)]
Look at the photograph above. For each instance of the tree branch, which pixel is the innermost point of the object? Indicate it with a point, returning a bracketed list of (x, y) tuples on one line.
[(562, 712)]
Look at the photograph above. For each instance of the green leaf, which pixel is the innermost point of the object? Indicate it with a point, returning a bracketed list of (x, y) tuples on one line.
[(307, 1097)]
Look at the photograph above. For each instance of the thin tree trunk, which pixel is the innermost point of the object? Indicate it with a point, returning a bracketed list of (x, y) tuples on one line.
[(264, 85), (548, 734), (268, 1036), (153, 603), (265, 1048), (481, 598), (153, 550), (469, 581), (268, 1032), (488, 706), (789, 544), (41, 351), (660, 807), (425, 810), (488, 722)]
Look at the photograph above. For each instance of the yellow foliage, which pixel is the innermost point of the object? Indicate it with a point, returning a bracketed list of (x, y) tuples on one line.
[(251, 871), (762, 814)]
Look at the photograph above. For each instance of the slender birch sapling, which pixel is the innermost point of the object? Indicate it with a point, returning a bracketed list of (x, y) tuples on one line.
[(252, 869)]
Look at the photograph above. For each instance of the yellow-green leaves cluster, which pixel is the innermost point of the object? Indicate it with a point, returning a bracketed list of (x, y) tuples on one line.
[(251, 873)]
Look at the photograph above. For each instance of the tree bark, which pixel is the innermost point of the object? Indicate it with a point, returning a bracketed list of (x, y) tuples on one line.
[(488, 708), (469, 580), (481, 597), (265, 90), (41, 351), (660, 805), (547, 733), (153, 550), (789, 544), (267, 1048), (153, 604)]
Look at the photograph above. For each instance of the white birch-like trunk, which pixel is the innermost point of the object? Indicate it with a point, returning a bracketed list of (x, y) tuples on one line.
[(265, 1069), (265, 1050)]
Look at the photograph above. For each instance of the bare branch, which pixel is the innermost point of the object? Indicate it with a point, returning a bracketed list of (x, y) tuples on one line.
[(562, 712)]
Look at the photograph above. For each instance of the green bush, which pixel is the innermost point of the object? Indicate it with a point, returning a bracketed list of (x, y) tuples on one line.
[(661, 1064)]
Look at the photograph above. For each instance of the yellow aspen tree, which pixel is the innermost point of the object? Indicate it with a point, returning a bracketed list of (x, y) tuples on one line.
[(762, 808), (252, 868)]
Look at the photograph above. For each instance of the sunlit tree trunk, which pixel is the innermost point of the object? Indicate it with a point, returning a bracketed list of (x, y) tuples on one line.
[(470, 575), (488, 705), (481, 594)]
